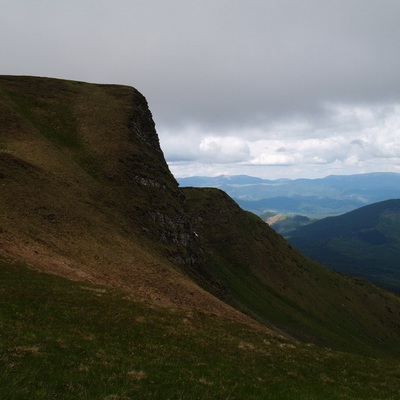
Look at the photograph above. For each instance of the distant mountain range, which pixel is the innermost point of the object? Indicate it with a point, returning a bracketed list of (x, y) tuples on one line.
[(333, 195), (364, 242)]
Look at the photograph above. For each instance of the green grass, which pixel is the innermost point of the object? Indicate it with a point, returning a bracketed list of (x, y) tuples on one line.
[(69, 340), (58, 124)]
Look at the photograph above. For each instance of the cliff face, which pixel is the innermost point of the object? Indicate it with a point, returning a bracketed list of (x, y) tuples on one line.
[(85, 192), (94, 134)]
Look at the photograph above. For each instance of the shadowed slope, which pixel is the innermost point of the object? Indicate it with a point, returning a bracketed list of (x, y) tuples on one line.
[(265, 277), (364, 242)]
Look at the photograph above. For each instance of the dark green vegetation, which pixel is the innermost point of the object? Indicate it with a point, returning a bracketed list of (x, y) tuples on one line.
[(85, 194), (314, 198), (69, 340), (364, 242), (263, 276)]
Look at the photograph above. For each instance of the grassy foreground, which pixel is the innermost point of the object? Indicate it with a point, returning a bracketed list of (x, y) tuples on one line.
[(69, 340)]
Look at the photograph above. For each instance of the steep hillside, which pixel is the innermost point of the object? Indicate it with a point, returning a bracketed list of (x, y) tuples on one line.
[(263, 276), (364, 242), (85, 193)]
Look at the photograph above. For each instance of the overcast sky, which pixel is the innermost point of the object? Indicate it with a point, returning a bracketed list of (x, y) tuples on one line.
[(269, 88)]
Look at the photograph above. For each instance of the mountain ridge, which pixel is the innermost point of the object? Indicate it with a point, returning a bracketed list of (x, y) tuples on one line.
[(85, 193), (70, 192)]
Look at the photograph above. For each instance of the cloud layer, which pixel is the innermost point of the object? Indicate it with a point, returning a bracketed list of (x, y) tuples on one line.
[(265, 87), (352, 139)]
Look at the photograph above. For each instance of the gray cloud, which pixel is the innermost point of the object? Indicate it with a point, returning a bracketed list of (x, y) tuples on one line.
[(226, 77)]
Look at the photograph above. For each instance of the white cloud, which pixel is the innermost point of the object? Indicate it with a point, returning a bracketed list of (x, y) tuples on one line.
[(224, 149), (191, 144), (357, 138)]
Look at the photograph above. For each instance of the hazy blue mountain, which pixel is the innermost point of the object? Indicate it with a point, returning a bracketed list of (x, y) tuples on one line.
[(364, 242), (333, 195)]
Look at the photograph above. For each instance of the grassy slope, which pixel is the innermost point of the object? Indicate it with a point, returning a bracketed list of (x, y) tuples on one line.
[(364, 242), (101, 206), (85, 193), (266, 278), (129, 349)]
